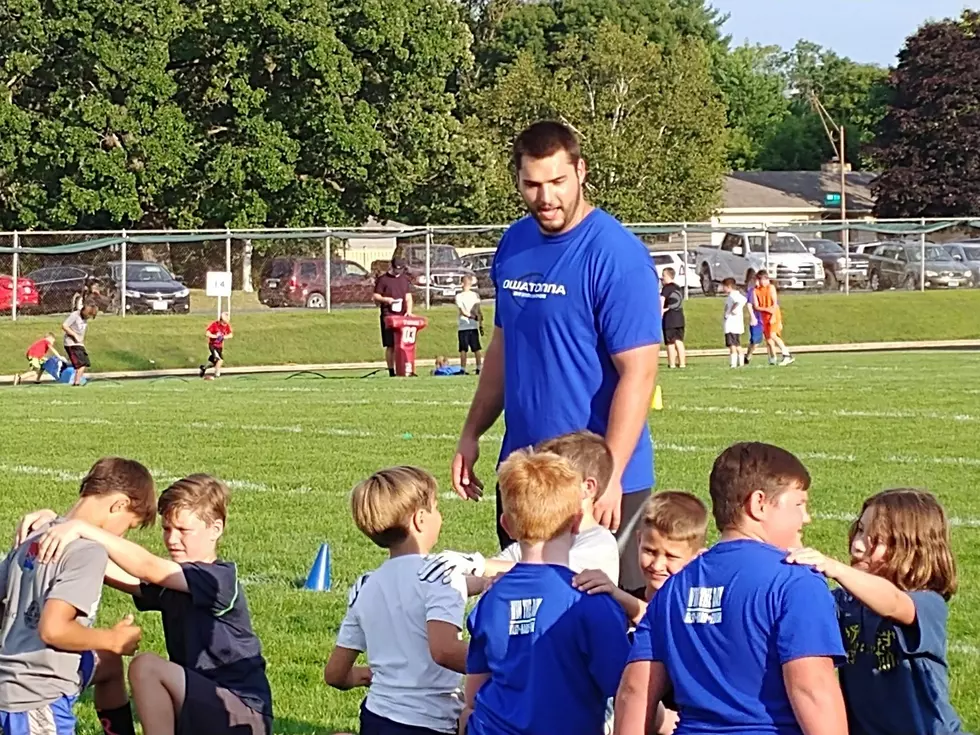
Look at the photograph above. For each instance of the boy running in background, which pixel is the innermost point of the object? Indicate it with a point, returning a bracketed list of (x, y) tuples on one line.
[(544, 658), (747, 641), (74, 328), (734, 323), (217, 333), (49, 651), (470, 323), (408, 628), (672, 307), (594, 546), (35, 358), (766, 302), (215, 680)]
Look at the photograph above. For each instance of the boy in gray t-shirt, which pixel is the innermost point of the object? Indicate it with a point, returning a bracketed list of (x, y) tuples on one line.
[(47, 643)]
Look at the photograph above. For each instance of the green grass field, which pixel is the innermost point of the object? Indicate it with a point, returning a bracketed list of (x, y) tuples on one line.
[(291, 449), (266, 336)]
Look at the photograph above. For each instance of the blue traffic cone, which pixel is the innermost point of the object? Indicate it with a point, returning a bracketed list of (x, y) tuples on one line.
[(319, 577)]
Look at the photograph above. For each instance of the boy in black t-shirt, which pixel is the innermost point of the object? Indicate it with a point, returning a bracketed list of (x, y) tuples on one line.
[(672, 306), (215, 680)]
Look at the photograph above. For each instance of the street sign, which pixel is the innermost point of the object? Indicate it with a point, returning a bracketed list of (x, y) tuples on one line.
[(831, 199), (219, 283)]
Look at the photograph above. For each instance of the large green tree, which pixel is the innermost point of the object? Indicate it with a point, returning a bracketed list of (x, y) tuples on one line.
[(929, 141)]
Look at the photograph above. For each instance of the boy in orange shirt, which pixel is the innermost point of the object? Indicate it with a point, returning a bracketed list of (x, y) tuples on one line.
[(765, 301), (35, 358)]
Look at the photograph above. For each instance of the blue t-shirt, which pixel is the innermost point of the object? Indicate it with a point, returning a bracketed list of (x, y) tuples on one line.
[(724, 626), (568, 303), (896, 680), (554, 655)]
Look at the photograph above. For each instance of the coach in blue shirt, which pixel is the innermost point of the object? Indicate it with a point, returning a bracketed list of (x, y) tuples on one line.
[(576, 339)]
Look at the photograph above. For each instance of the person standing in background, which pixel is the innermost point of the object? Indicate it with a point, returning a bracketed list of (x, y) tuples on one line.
[(672, 306), (469, 323), (393, 294), (74, 328)]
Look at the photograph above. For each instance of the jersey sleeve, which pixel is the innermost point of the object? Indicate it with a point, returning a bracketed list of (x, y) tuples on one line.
[(443, 603), (150, 598), (926, 636), (476, 652), (495, 280), (78, 580), (806, 623), (351, 634), (607, 644), (626, 306), (643, 648), (212, 586)]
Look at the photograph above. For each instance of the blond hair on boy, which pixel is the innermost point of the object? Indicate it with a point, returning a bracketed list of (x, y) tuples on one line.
[(541, 495), (678, 516), (385, 504), (588, 453)]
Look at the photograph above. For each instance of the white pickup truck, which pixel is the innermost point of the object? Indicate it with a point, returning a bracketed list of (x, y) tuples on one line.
[(740, 255)]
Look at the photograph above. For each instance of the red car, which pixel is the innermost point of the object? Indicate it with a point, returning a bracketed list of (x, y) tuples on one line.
[(27, 298)]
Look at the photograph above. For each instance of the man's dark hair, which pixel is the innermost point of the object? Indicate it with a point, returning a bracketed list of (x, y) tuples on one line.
[(745, 468), (543, 139), (730, 282), (114, 475), (762, 274)]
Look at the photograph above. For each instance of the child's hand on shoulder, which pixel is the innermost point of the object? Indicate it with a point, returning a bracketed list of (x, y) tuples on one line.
[(56, 539), (594, 582), (818, 561)]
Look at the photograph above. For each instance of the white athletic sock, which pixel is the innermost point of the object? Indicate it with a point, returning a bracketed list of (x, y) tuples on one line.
[(741, 359), (733, 359)]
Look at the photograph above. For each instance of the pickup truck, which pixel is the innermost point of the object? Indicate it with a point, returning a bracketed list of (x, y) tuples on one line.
[(899, 265), (741, 255)]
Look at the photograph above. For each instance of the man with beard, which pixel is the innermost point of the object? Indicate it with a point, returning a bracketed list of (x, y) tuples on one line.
[(577, 332)]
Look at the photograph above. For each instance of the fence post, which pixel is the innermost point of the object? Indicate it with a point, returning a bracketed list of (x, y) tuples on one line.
[(327, 263), (428, 270), (122, 298), (13, 304), (247, 265), (687, 267), (228, 266), (922, 257), (846, 241)]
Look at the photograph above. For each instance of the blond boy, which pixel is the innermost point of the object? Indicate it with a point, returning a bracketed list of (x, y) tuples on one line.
[(594, 546), (35, 358), (409, 628), (543, 657)]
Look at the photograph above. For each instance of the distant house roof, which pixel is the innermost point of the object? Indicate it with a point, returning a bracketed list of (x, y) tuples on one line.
[(795, 189)]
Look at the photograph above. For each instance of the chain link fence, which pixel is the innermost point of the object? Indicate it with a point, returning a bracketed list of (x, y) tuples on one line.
[(153, 271)]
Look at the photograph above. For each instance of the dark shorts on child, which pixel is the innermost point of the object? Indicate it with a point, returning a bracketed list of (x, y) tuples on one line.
[(469, 340), (673, 334), (216, 353), (733, 339), (78, 356), (372, 724), (210, 710)]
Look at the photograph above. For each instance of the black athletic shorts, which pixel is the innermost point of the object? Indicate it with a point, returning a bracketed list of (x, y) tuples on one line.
[(216, 353), (733, 339), (387, 335), (210, 709), (78, 356), (469, 340), (372, 724), (673, 334)]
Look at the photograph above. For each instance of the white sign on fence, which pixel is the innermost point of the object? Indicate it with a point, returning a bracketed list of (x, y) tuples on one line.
[(219, 283)]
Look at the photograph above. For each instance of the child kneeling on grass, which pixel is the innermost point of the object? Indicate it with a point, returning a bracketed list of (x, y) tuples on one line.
[(544, 658), (409, 628), (891, 605), (594, 546), (49, 651), (215, 680)]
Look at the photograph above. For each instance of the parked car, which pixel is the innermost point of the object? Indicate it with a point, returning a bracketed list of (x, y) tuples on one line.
[(446, 271), (289, 281), (58, 286), (835, 264), (968, 254), (899, 265), (741, 255), (27, 299), (670, 259), (150, 288), (480, 264)]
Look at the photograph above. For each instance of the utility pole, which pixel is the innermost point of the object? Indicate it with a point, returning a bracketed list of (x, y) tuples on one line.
[(837, 143)]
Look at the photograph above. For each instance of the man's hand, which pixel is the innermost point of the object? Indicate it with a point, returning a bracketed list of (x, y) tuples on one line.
[(594, 582), (608, 508), (447, 563), (126, 637), (465, 482), (53, 542), (30, 522), (813, 558)]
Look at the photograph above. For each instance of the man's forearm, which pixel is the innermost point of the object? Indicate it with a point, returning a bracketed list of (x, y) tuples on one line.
[(488, 401), (629, 410)]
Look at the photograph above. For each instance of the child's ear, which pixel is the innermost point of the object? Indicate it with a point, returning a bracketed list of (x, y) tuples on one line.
[(120, 505), (217, 529), (755, 505), (590, 488), (418, 519), (505, 524)]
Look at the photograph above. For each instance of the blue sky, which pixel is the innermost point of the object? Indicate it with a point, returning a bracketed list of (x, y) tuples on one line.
[(873, 31)]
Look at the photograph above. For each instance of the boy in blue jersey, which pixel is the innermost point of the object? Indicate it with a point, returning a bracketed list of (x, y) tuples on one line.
[(543, 658), (747, 643), (577, 332)]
